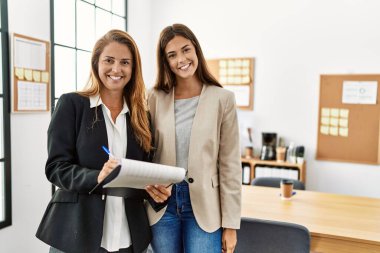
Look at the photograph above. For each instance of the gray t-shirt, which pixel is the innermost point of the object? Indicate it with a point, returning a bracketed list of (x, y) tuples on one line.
[(184, 111)]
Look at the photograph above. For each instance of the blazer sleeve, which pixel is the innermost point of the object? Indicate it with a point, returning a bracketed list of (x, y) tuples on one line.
[(230, 176), (61, 167)]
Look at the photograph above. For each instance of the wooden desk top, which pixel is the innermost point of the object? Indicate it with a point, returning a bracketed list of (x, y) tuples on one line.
[(325, 215)]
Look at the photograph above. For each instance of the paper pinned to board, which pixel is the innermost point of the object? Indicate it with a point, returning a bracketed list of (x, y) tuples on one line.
[(138, 174)]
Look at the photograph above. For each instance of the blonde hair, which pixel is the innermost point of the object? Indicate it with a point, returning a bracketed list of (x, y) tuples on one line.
[(134, 92)]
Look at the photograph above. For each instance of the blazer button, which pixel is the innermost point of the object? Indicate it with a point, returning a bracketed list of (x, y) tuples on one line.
[(191, 180)]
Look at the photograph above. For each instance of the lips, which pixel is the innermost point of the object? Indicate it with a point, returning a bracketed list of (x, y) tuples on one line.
[(115, 78), (185, 67)]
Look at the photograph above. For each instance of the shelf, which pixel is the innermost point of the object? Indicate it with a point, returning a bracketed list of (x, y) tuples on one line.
[(253, 162)]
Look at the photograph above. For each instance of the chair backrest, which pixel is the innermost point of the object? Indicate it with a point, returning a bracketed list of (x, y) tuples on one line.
[(275, 182), (263, 236)]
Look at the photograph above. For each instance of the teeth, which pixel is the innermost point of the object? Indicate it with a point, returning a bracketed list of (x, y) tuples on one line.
[(185, 67), (115, 77)]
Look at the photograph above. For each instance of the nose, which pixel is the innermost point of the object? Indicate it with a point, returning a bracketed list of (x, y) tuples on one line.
[(181, 58), (116, 67)]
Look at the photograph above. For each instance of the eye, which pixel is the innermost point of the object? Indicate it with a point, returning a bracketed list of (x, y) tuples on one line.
[(171, 56), (108, 60), (125, 62), (186, 50)]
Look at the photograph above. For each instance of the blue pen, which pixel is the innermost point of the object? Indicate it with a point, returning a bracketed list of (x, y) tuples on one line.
[(107, 151)]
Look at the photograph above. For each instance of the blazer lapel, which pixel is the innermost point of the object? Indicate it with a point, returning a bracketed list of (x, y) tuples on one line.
[(164, 128), (201, 113)]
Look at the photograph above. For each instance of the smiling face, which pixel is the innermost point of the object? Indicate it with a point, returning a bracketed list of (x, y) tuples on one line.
[(115, 67), (182, 57)]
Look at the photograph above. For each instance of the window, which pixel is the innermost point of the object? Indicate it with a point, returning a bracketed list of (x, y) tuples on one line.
[(5, 156), (77, 24)]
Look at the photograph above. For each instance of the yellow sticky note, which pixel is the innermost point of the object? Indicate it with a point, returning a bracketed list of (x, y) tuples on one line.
[(245, 63), (19, 72), (28, 74), (245, 79), (344, 113), (222, 64), (325, 112), (325, 130), (325, 121), (334, 122), (45, 77), (343, 122), (334, 112), (36, 76), (343, 131), (333, 131)]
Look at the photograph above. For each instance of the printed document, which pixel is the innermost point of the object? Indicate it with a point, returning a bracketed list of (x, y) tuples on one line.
[(138, 174)]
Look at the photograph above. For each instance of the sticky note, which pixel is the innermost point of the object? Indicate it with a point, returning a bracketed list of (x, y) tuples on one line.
[(325, 112), (45, 77), (222, 64), (245, 79), (333, 131), (28, 74), (334, 122), (344, 113), (245, 63), (343, 131), (325, 130), (334, 112), (343, 122), (325, 121), (19, 72), (36, 76)]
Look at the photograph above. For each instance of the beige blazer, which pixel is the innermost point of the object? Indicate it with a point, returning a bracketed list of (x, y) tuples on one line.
[(214, 166)]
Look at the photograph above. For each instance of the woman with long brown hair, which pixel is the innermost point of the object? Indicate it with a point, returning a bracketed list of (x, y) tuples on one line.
[(110, 112), (195, 126)]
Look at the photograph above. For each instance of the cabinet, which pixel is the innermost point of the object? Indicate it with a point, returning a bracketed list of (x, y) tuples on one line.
[(300, 168)]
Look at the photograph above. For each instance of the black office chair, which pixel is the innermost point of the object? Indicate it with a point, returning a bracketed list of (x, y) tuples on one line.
[(263, 236), (275, 182)]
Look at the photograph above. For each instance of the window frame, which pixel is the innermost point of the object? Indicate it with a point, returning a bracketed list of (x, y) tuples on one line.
[(6, 116)]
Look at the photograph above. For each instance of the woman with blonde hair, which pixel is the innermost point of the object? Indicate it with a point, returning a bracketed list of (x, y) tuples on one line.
[(195, 126), (110, 112)]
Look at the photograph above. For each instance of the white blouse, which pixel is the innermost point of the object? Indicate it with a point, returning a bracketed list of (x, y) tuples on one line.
[(116, 234)]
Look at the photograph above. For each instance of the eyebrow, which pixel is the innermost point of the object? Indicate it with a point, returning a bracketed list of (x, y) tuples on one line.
[(123, 59), (187, 45)]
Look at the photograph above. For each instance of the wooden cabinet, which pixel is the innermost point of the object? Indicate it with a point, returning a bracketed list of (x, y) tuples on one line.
[(254, 162)]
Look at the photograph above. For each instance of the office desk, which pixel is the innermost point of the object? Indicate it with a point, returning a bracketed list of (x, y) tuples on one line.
[(337, 223)]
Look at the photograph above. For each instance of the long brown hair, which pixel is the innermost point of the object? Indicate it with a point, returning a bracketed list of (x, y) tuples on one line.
[(134, 92), (166, 79)]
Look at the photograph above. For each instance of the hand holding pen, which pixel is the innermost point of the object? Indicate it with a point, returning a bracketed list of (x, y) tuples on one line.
[(109, 166)]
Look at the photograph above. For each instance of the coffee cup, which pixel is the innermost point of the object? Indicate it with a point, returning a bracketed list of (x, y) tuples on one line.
[(280, 154), (248, 152), (286, 189)]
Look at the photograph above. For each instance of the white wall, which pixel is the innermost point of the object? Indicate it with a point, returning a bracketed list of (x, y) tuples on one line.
[(293, 42), (30, 190)]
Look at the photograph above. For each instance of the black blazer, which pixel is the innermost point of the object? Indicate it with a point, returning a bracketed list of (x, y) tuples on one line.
[(73, 220)]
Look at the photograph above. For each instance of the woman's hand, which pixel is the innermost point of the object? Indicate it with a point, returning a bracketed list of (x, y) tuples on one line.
[(158, 192), (108, 167), (229, 240)]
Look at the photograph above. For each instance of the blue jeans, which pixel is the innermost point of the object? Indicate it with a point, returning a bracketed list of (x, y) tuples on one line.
[(178, 231)]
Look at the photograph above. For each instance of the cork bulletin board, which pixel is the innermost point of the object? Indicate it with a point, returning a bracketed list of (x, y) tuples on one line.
[(30, 74), (235, 74), (349, 119)]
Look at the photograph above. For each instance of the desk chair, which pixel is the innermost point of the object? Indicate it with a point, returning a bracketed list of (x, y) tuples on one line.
[(275, 182), (263, 236)]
